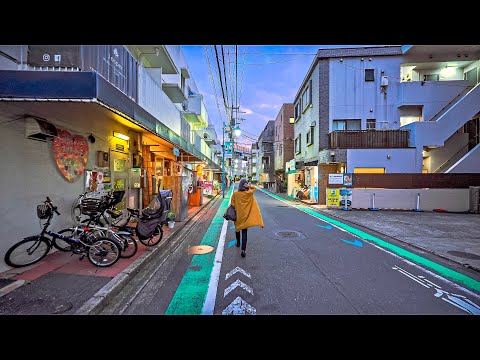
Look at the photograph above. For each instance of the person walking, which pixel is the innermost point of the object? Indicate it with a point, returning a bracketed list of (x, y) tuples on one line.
[(248, 212)]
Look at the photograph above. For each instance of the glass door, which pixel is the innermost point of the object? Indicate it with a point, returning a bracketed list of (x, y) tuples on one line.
[(119, 181)]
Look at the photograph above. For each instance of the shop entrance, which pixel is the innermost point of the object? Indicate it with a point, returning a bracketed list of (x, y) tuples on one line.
[(119, 166)]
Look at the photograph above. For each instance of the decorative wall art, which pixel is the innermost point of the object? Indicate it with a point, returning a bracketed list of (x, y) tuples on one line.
[(71, 154)]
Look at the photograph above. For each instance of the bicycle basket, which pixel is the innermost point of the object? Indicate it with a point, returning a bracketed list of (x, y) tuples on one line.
[(43, 211), (92, 205)]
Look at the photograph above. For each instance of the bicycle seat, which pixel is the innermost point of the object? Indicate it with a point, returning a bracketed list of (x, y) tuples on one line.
[(114, 214), (133, 211)]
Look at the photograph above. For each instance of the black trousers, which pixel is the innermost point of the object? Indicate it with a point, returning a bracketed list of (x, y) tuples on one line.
[(244, 238)]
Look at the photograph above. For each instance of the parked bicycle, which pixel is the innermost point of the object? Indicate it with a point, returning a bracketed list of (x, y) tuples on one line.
[(101, 251), (101, 225)]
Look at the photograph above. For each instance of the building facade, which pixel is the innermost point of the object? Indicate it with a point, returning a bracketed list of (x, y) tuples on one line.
[(266, 154), (91, 119), (284, 136), (388, 109)]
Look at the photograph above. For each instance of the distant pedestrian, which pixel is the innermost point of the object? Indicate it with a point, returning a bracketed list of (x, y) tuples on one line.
[(248, 212)]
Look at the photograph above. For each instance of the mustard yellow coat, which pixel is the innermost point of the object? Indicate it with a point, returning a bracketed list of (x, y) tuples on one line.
[(246, 206)]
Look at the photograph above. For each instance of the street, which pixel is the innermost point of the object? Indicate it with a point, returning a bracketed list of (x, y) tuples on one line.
[(300, 263)]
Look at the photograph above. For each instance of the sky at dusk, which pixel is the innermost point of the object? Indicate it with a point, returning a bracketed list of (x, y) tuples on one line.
[(272, 76)]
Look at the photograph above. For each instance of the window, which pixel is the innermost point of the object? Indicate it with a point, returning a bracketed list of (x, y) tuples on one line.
[(307, 96), (292, 120), (297, 110), (298, 144), (430, 77), (310, 136), (369, 74), (354, 124), (371, 124)]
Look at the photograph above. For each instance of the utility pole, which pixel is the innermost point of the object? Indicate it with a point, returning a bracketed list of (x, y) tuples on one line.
[(223, 161)]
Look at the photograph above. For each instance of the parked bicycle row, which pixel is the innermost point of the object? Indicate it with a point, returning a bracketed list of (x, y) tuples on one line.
[(100, 232)]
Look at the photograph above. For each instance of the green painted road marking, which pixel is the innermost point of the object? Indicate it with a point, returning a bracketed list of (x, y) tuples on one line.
[(192, 291), (449, 273)]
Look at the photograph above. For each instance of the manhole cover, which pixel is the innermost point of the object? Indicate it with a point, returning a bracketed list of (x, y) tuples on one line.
[(200, 249), (287, 234), (464, 255)]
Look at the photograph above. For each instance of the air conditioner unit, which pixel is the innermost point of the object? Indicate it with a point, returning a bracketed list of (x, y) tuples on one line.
[(185, 105), (39, 130)]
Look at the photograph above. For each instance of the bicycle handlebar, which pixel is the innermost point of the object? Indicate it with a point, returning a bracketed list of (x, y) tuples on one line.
[(54, 208)]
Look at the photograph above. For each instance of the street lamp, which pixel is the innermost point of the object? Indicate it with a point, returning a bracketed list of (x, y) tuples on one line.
[(237, 131)]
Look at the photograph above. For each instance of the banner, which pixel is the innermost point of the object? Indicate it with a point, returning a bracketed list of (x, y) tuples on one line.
[(208, 187), (113, 62), (333, 197)]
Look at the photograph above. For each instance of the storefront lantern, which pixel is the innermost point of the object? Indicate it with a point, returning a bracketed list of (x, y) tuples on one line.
[(199, 169)]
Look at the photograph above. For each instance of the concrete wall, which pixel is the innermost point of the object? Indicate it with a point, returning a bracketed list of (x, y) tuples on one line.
[(432, 95), (351, 97), (153, 99), (401, 160), (302, 125), (406, 199), (456, 144), (29, 174), (470, 163)]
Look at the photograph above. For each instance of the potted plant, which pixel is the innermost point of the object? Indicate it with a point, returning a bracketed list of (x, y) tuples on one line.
[(171, 218)]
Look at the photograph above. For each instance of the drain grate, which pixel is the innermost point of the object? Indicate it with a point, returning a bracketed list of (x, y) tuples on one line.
[(464, 255), (282, 205)]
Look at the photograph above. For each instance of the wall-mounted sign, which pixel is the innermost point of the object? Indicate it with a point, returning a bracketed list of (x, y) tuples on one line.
[(348, 179), (335, 179), (120, 147), (176, 152), (333, 197)]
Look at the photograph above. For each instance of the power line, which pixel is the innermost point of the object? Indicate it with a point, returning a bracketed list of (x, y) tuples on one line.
[(213, 82), (224, 73), (220, 77), (243, 73)]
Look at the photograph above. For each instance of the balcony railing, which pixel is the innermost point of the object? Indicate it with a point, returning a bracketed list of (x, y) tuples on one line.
[(367, 139)]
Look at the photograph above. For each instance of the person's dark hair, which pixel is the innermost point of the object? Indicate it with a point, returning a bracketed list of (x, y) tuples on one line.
[(241, 183)]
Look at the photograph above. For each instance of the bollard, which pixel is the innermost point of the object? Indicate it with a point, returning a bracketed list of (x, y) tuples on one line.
[(345, 204), (417, 209), (373, 208)]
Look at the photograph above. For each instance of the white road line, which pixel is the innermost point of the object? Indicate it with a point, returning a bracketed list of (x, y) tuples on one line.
[(237, 269), (234, 285), (239, 307), (393, 254), (209, 304)]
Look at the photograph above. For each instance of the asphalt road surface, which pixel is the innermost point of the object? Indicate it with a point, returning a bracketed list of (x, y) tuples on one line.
[(300, 263)]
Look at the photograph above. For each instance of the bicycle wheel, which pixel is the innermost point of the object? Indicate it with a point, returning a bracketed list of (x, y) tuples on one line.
[(76, 212), (129, 246), (28, 251), (156, 237), (103, 252), (62, 245)]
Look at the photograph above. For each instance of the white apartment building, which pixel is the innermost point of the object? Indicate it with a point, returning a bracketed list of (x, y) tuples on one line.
[(389, 109), (130, 112)]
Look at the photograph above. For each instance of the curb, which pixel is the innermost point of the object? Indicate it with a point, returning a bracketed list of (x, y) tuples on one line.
[(93, 305), (393, 237)]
